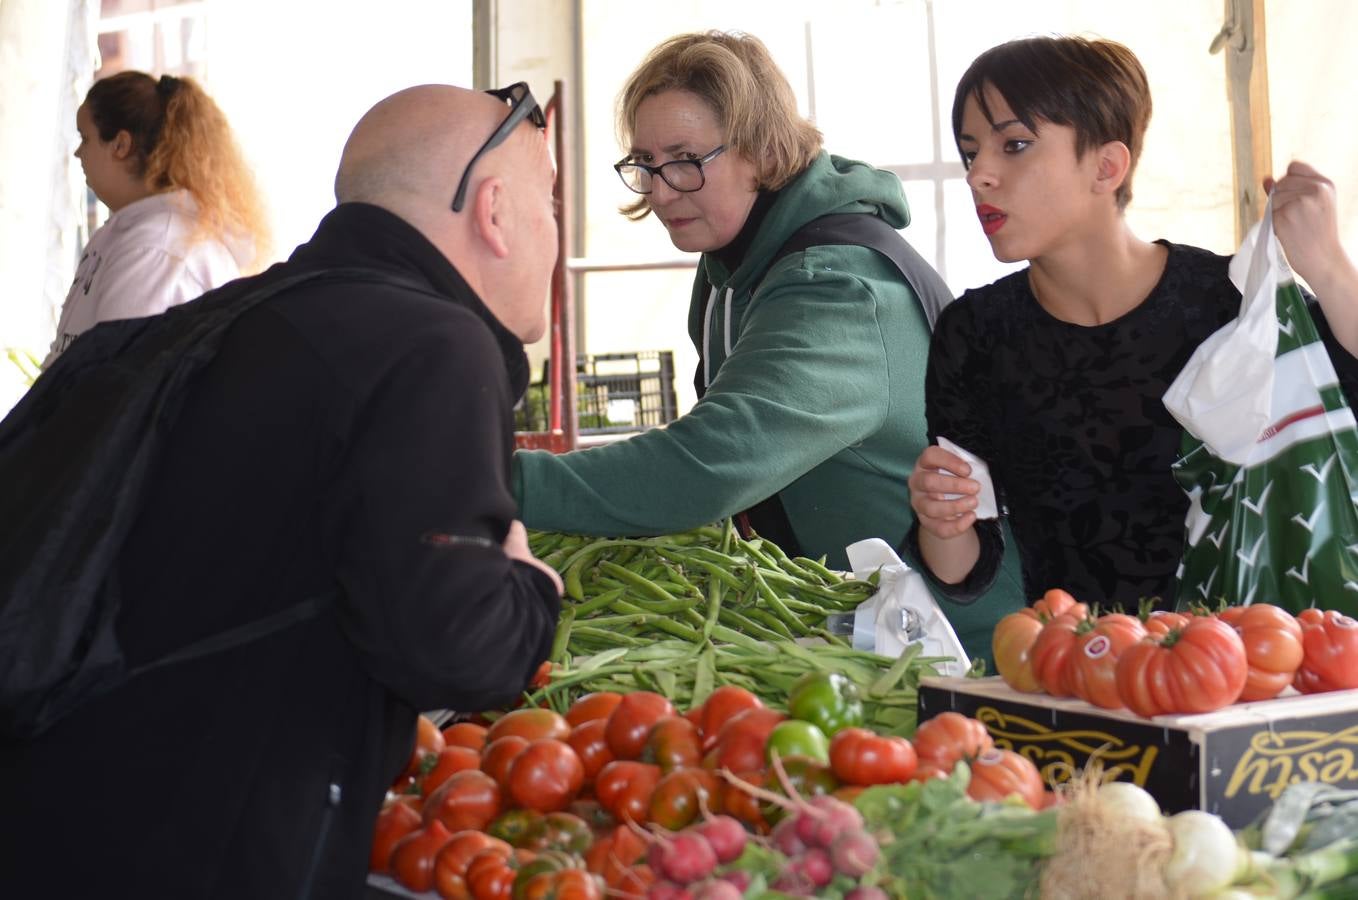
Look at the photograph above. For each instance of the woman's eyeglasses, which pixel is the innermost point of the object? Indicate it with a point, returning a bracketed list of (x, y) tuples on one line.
[(684, 175), (521, 106)]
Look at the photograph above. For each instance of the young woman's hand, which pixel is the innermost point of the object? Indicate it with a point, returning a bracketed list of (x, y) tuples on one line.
[(943, 498), (1306, 220)]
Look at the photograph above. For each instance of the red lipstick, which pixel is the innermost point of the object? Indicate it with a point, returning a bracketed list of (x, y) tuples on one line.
[(992, 218)]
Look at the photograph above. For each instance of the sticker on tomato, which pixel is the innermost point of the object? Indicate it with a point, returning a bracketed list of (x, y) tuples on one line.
[(1098, 646), (991, 757)]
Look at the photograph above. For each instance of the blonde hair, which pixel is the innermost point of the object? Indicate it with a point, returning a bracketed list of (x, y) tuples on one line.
[(182, 140), (736, 77)]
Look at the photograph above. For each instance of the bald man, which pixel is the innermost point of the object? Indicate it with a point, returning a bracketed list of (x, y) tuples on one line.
[(349, 441)]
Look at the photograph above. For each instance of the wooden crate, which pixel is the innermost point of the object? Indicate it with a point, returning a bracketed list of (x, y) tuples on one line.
[(1233, 762)]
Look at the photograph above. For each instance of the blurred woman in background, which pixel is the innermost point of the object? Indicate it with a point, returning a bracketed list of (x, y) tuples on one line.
[(185, 215)]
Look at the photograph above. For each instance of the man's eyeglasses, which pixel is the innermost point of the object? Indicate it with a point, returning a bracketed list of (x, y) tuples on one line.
[(685, 175), (521, 106)]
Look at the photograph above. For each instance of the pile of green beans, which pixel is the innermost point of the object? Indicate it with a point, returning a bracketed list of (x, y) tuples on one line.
[(708, 584), (681, 614)]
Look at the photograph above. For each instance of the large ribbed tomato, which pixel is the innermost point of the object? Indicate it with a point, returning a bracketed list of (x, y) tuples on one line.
[(468, 799), (1091, 669), (412, 858), (1013, 638), (1052, 650), (1273, 647), (450, 865), (1161, 622), (1057, 602), (948, 737), (491, 873), (996, 774), (1330, 642), (1012, 644), (1198, 668), (395, 821)]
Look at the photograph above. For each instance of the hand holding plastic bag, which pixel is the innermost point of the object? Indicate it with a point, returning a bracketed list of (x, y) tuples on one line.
[(1269, 458)]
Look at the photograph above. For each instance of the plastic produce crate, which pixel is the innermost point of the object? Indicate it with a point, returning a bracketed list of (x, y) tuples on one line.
[(615, 393)]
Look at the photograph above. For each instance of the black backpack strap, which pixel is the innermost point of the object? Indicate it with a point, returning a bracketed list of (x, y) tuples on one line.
[(867, 230), (769, 518), (247, 633)]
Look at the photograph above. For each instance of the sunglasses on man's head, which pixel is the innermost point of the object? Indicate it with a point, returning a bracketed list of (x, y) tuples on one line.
[(521, 106)]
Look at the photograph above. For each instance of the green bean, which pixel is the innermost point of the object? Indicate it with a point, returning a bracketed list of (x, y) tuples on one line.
[(802, 606), (831, 638), (772, 622), (754, 548), (818, 566), (643, 585), (663, 623), (563, 635), (775, 604), (626, 555), (713, 569), (730, 636), (740, 621), (676, 573), (597, 602), (786, 564), (612, 635)]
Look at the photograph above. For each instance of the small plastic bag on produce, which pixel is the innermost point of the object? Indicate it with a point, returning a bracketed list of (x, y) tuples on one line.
[(902, 611), (1269, 457)]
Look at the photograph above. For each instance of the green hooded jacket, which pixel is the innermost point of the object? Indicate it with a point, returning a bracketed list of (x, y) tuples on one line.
[(815, 392)]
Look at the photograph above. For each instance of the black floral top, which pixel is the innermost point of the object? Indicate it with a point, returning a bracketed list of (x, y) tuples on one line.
[(1071, 422)]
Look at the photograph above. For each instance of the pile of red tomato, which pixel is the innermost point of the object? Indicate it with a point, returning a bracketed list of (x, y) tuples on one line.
[(538, 804), (1171, 662)]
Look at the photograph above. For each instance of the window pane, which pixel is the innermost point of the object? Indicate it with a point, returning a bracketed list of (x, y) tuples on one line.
[(922, 232), (968, 260), (871, 78)]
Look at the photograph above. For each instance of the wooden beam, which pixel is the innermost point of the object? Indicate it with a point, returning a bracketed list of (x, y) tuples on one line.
[(1244, 39), (485, 44)]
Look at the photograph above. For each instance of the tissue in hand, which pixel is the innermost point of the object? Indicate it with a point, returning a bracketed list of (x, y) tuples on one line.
[(986, 507)]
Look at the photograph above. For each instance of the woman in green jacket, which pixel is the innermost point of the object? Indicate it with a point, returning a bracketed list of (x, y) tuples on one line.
[(811, 372)]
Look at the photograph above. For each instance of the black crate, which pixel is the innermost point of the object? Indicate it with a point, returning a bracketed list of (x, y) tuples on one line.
[(615, 393), (1233, 762)]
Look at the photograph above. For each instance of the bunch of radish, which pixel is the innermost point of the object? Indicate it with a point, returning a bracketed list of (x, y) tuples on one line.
[(686, 863)]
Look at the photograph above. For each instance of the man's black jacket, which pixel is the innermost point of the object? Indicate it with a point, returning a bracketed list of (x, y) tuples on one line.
[(346, 438)]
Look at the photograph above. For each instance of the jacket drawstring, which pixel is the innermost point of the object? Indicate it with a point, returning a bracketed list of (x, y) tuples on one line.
[(707, 331), (707, 338)]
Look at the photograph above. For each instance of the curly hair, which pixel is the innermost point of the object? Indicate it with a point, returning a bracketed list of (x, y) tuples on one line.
[(733, 74), (182, 140)]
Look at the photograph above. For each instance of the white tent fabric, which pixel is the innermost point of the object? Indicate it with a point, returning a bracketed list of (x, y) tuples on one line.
[(48, 54)]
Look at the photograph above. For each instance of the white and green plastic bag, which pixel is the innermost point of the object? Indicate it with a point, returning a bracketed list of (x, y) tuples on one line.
[(1270, 452)]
